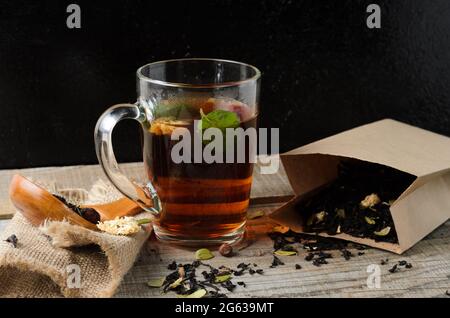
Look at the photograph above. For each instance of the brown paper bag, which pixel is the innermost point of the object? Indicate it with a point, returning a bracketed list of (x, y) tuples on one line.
[(423, 206)]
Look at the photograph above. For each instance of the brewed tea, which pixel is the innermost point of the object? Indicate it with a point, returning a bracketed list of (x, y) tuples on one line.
[(200, 200)]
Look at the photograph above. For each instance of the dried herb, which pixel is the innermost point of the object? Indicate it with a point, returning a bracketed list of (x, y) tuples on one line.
[(285, 253), (357, 202), (276, 262), (13, 240), (156, 283), (172, 266), (393, 269), (346, 254), (222, 278), (203, 254), (88, 214), (200, 293)]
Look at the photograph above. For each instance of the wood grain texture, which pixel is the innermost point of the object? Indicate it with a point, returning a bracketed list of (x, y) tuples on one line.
[(429, 277)]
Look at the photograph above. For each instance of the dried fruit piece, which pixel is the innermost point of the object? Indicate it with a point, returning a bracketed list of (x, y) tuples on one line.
[(203, 254), (383, 232), (156, 283), (226, 250), (370, 200)]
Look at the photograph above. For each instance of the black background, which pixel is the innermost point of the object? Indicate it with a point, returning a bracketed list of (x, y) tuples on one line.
[(323, 70)]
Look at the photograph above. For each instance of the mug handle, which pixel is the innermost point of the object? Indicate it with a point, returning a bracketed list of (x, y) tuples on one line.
[(146, 197)]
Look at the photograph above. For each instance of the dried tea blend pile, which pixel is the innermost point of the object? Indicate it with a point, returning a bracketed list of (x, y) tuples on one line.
[(357, 202), (88, 214), (185, 281)]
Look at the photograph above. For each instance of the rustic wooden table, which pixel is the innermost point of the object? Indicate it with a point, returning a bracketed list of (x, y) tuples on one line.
[(429, 277)]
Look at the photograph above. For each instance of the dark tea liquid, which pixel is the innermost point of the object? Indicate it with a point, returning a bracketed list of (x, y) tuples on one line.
[(201, 201)]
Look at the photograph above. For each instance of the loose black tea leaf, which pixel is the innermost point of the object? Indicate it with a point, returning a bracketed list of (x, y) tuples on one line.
[(13, 240), (172, 266), (402, 263), (88, 214), (408, 265), (393, 269), (447, 293), (297, 266), (276, 261), (384, 261), (346, 254), (356, 202), (242, 284), (361, 253)]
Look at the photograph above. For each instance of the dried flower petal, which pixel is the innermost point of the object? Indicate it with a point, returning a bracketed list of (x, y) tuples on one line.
[(383, 232), (369, 220), (120, 226), (370, 200)]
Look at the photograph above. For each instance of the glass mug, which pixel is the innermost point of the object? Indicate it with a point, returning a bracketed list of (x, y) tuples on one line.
[(194, 202)]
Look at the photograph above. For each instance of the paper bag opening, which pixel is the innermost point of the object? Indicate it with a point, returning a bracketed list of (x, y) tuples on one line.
[(423, 205)]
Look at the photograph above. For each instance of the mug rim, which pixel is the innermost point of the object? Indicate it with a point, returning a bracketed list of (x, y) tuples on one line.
[(145, 78)]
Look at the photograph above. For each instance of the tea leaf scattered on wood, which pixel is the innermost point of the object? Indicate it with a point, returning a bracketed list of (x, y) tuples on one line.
[(285, 253), (176, 283), (222, 278), (197, 294), (255, 214), (203, 254), (157, 282)]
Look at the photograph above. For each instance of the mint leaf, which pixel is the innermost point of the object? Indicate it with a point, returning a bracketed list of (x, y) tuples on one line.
[(174, 111), (221, 119)]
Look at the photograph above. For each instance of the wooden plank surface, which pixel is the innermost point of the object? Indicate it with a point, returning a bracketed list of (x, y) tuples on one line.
[(429, 277)]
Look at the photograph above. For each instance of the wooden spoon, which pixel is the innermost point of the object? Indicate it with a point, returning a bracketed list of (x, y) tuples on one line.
[(38, 205)]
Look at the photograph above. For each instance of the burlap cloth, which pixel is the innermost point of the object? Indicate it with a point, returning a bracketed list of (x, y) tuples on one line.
[(48, 259)]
